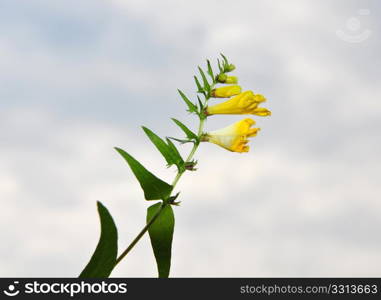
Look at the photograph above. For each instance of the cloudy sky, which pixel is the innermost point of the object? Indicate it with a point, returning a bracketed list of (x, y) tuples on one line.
[(80, 77)]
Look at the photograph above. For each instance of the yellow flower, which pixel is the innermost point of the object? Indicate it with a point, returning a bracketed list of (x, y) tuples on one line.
[(226, 91), (245, 103), (234, 137)]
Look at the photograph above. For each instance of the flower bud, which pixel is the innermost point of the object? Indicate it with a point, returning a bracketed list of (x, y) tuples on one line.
[(221, 78), (231, 80), (230, 68), (226, 91)]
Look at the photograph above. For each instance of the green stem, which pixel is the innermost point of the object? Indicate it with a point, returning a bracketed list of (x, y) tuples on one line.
[(174, 183), (191, 154), (141, 233)]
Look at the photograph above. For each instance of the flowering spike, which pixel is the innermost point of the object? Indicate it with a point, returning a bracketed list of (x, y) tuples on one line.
[(160, 217)]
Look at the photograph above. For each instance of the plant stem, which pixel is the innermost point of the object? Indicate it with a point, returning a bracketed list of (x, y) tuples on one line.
[(174, 183), (141, 233), (191, 154)]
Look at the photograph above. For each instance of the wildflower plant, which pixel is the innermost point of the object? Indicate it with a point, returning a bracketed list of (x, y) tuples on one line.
[(160, 220)]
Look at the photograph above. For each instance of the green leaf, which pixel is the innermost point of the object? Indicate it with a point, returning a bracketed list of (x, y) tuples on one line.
[(205, 81), (171, 155), (225, 59), (180, 140), (153, 187), (174, 149), (191, 135), (104, 258), (221, 68), (199, 87), (210, 71), (200, 104), (191, 106), (161, 235)]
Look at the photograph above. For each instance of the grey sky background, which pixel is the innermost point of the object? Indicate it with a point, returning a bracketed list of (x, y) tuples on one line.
[(80, 77)]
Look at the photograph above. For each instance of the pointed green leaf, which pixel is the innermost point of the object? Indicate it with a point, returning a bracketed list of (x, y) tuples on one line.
[(210, 71), (199, 87), (174, 149), (225, 59), (187, 131), (221, 68), (180, 140), (191, 106), (171, 156), (161, 235), (104, 258), (200, 104), (162, 146), (153, 187), (205, 81), (180, 162)]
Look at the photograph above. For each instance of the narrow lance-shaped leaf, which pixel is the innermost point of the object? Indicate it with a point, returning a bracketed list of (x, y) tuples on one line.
[(171, 156), (205, 81), (153, 187), (161, 235), (180, 162), (210, 71), (170, 144), (201, 105), (180, 140), (190, 134), (104, 258), (199, 87), (225, 63), (219, 66), (225, 59), (191, 106), (168, 150)]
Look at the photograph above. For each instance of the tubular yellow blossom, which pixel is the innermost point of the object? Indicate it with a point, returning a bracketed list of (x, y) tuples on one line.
[(245, 103), (234, 137), (226, 91)]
